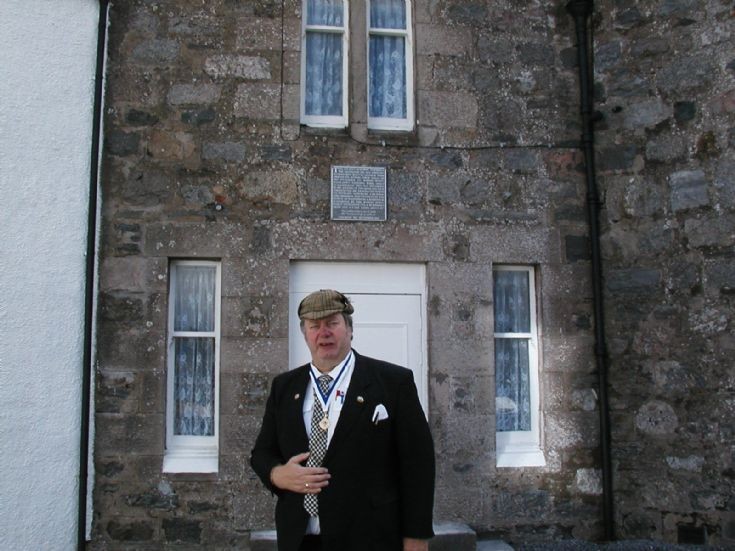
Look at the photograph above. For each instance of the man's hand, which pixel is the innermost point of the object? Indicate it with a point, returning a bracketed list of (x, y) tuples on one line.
[(294, 477), (411, 544)]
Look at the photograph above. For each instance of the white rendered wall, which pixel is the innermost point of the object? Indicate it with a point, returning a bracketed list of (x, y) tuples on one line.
[(47, 66)]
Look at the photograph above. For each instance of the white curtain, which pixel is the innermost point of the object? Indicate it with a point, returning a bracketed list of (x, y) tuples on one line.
[(323, 84), (387, 60), (194, 356), (512, 380)]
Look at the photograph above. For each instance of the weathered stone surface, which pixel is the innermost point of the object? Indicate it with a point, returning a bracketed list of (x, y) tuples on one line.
[(633, 280), (447, 109), (258, 101), (709, 232), (227, 151), (179, 530), (619, 157), (122, 143), (205, 158), (156, 51), (656, 418), (443, 40), (589, 481), (245, 67), (130, 530), (186, 94)]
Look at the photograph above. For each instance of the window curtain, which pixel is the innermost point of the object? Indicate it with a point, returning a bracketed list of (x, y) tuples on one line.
[(323, 86), (387, 60), (194, 356), (512, 380)]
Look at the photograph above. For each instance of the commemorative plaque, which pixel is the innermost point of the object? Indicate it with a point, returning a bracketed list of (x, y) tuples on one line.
[(359, 193)]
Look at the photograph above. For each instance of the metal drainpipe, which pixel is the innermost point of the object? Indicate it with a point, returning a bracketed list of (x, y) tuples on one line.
[(581, 11), (90, 273)]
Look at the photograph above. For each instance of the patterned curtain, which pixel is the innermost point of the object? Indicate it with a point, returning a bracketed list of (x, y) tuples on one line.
[(323, 84), (387, 60), (512, 380), (194, 356)]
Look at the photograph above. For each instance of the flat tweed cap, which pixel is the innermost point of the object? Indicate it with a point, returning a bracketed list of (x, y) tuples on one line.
[(323, 303)]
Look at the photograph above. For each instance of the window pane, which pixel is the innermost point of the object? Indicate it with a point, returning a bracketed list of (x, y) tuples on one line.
[(512, 385), (194, 300), (323, 85), (511, 300), (388, 14), (388, 77), (194, 387), (324, 12)]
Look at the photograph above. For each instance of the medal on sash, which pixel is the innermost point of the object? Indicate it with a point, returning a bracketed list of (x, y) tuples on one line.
[(324, 423), (324, 397)]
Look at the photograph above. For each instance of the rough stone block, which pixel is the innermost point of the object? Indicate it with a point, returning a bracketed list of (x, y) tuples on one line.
[(684, 111), (240, 66), (710, 232), (199, 117), (278, 186), (633, 280), (258, 101), (180, 530), (725, 184), (448, 109), (656, 418), (226, 151), (156, 51), (687, 73), (442, 40), (186, 94), (130, 530), (167, 146), (130, 434), (688, 190), (258, 33), (577, 247), (116, 392), (116, 306), (720, 276), (291, 102), (607, 55), (646, 114), (122, 144), (589, 481), (616, 157), (665, 148)]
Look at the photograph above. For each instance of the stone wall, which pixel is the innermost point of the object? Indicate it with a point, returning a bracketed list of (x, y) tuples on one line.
[(204, 158), (666, 85)]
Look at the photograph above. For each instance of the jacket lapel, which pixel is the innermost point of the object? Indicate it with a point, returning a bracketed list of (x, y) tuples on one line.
[(294, 406), (357, 402)]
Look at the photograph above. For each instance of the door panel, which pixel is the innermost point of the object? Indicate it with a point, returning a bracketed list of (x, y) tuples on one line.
[(387, 325)]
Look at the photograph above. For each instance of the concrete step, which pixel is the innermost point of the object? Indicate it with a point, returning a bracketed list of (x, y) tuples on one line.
[(493, 545), (453, 536), (450, 536)]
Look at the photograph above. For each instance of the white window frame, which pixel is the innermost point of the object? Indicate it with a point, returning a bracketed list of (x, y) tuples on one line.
[(192, 454), (326, 121), (388, 123), (523, 448)]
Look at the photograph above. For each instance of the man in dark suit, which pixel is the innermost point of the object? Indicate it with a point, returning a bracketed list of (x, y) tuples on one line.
[(345, 445)]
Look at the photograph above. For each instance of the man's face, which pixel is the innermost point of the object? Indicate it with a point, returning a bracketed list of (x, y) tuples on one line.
[(329, 340)]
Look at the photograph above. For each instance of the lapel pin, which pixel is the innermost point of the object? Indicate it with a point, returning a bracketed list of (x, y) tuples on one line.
[(360, 399), (296, 396)]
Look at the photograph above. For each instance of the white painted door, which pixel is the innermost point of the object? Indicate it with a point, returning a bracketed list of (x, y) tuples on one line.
[(389, 320)]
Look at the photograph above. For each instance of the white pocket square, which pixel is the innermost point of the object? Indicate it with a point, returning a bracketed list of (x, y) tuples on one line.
[(380, 414)]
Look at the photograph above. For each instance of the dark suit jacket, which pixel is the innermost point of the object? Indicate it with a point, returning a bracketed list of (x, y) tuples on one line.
[(382, 476)]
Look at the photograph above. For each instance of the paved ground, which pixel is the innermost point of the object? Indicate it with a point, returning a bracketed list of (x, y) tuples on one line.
[(631, 545)]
